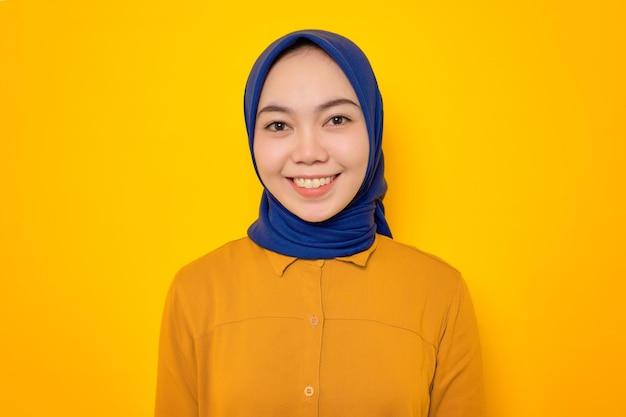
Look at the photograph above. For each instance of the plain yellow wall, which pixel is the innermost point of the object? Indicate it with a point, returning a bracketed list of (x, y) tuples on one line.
[(123, 156)]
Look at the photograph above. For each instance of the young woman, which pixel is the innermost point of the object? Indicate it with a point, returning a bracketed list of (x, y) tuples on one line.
[(318, 312)]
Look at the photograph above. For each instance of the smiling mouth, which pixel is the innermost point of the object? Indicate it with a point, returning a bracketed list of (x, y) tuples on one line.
[(313, 182)]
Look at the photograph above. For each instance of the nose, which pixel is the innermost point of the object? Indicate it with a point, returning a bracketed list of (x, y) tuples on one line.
[(309, 147)]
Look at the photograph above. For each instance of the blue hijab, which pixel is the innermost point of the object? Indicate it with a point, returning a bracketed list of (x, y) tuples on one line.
[(354, 229)]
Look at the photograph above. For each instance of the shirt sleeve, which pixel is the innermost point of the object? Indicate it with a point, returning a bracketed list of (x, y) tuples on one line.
[(176, 375), (457, 389)]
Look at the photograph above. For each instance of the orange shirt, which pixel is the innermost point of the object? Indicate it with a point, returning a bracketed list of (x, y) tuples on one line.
[(386, 332)]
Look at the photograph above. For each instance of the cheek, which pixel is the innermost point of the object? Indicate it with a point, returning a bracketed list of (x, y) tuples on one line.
[(360, 155), (356, 152), (260, 152), (267, 157)]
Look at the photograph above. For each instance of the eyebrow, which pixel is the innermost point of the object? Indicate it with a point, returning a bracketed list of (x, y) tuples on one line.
[(336, 102), (321, 107)]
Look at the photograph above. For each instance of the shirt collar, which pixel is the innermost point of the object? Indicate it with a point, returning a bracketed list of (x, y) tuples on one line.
[(282, 262)]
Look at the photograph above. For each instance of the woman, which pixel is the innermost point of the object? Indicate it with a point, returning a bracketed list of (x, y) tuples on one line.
[(318, 312)]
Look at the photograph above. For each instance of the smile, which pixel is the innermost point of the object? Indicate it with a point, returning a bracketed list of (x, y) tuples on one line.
[(312, 182)]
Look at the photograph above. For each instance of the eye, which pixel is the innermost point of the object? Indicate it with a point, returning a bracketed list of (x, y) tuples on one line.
[(337, 120), (277, 126)]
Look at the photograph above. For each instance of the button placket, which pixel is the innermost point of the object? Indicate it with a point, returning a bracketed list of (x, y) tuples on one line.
[(313, 320)]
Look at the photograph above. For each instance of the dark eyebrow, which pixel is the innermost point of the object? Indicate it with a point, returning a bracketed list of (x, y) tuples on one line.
[(336, 102), (273, 107), (321, 107)]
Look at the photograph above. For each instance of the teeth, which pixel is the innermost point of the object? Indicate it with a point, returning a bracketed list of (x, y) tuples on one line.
[(313, 183)]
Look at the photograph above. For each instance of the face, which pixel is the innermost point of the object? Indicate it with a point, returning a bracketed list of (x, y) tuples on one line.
[(310, 139)]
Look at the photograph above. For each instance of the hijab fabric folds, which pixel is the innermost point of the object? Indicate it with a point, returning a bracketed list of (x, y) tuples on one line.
[(354, 229)]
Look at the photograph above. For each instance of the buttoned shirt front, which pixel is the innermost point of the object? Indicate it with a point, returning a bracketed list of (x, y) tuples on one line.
[(386, 332)]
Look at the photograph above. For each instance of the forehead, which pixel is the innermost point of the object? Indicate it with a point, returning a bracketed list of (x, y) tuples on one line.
[(301, 48), (306, 69), (295, 56)]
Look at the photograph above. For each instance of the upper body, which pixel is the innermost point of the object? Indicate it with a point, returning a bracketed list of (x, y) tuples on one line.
[(386, 332), (318, 312)]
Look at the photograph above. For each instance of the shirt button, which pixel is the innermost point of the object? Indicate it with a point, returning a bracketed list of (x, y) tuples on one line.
[(314, 320), (309, 391)]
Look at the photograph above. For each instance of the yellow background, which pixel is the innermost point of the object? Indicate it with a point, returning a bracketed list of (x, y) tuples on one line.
[(123, 156)]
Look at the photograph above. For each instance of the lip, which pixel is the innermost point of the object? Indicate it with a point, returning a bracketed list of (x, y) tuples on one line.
[(314, 192)]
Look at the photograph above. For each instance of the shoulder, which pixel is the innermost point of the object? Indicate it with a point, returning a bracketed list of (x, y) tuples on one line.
[(406, 260), (204, 286), (234, 249), (404, 253), (224, 260)]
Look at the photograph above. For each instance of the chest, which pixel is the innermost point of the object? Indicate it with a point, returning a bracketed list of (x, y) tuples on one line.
[(319, 341)]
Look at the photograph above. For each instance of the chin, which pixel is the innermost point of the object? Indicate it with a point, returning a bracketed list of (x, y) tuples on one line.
[(316, 219), (315, 216)]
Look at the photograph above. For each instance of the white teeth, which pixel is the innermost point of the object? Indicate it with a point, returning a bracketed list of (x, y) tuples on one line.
[(313, 183)]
